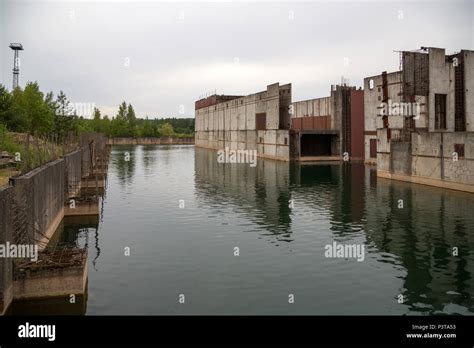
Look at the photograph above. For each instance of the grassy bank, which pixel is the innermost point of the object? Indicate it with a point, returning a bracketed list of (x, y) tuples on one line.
[(20, 153)]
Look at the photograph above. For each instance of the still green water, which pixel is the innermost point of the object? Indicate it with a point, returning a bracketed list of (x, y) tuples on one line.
[(191, 250)]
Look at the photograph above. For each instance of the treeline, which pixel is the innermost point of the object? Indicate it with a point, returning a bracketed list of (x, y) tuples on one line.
[(125, 124), (31, 111)]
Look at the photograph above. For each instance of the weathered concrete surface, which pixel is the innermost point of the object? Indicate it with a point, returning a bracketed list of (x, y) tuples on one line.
[(6, 266), (32, 208), (89, 207), (401, 158), (426, 181), (45, 187), (54, 282), (92, 182), (73, 173), (232, 123), (428, 152)]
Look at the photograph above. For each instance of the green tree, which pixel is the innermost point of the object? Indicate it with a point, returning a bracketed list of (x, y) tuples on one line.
[(97, 122), (119, 123), (166, 130), (132, 122), (65, 120), (64, 107), (34, 114), (147, 128), (6, 115)]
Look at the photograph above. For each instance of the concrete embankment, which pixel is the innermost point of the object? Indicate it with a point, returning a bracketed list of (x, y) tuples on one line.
[(6, 265), (32, 208), (152, 141)]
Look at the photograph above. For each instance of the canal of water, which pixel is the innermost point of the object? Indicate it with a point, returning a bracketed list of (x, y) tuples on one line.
[(182, 216)]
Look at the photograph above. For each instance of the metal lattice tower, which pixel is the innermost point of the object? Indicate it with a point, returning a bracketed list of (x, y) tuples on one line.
[(16, 62)]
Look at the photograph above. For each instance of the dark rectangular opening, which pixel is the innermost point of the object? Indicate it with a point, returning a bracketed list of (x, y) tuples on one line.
[(459, 95), (261, 121), (440, 111), (409, 123), (373, 148), (459, 149), (316, 145)]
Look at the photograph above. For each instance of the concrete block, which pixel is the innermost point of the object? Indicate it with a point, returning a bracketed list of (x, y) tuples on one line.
[(250, 110), (269, 137), (283, 152), (242, 117), (234, 118), (282, 137), (270, 150), (252, 140)]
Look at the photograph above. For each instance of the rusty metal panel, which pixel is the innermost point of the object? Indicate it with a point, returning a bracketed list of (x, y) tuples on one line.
[(296, 123), (322, 122), (307, 122), (311, 123)]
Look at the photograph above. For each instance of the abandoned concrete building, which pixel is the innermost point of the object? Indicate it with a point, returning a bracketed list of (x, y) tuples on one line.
[(419, 121), (259, 121), (268, 121), (326, 128)]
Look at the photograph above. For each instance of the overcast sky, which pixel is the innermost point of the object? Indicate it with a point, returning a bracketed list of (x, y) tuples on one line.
[(161, 55)]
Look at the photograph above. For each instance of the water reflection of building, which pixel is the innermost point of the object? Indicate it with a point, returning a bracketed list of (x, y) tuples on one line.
[(421, 235), (262, 192), (417, 239)]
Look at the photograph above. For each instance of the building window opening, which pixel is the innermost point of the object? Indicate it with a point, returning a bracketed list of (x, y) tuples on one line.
[(459, 149), (440, 111)]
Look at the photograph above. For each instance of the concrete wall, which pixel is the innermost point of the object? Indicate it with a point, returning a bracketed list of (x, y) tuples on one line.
[(55, 282), (231, 123), (441, 77), (72, 173), (6, 267), (428, 162), (469, 88), (44, 189), (312, 107), (401, 159), (86, 161), (428, 159), (373, 98), (31, 210)]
